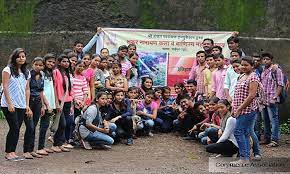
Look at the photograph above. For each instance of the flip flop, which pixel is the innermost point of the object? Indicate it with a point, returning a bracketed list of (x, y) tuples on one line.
[(12, 158)]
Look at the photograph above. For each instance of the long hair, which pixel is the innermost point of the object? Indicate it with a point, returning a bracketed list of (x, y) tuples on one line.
[(48, 72), (67, 71), (13, 64)]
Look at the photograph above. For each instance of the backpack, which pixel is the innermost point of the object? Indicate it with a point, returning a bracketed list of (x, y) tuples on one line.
[(283, 95)]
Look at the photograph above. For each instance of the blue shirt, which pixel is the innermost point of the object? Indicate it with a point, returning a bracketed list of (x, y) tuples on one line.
[(36, 86)]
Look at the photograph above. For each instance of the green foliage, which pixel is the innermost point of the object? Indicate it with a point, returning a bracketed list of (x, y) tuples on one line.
[(2, 115), (147, 17), (16, 15), (239, 15), (285, 128)]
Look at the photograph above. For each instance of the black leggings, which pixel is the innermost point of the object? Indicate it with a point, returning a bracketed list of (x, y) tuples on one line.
[(226, 148), (14, 120)]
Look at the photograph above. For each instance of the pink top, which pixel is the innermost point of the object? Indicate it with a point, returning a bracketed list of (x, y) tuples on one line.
[(58, 84), (80, 87), (218, 78), (126, 65), (89, 74), (197, 74), (242, 92)]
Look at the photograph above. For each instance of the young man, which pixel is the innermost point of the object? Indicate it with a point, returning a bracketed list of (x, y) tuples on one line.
[(79, 46), (207, 45), (191, 86), (217, 50), (187, 118), (272, 81), (233, 44), (197, 72), (104, 52), (218, 77), (121, 57), (232, 75), (208, 74)]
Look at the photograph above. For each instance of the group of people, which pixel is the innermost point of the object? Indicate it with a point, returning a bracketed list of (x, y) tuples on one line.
[(100, 99)]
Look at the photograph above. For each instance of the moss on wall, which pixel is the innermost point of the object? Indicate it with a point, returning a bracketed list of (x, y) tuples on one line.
[(239, 15), (17, 16), (147, 17)]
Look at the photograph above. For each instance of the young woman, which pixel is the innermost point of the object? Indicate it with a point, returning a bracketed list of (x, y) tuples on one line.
[(35, 102), (133, 97), (73, 60), (15, 99), (166, 114), (80, 98), (132, 73), (100, 75), (49, 102), (157, 96), (63, 89), (226, 144), (245, 105), (89, 72), (93, 128), (180, 90), (121, 115), (117, 82), (146, 85), (147, 110)]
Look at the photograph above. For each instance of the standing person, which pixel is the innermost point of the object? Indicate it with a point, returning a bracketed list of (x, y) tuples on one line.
[(93, 128), (49, 101), (80, 96), (36, 84), (104, 52), (233, 44), (132, 73), (272, 80), (117, 82), (100, 75), (63, 88), (90, 72), (207, 45), (197, 72), (232, 74), (208, 74), (121, 115), (126, 64), (73, 60), (217, 50), (218, 77), (15, 99), (245, 105), (79, 46)]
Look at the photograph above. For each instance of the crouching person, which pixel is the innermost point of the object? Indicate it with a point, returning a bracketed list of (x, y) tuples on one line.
[(93, 128)]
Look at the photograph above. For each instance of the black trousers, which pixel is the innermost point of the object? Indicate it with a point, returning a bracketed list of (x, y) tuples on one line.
[(126, 126), (31, 123), (14, 120), (226, 148)]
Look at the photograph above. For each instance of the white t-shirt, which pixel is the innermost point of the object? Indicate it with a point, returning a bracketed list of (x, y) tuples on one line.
[(16, 87)]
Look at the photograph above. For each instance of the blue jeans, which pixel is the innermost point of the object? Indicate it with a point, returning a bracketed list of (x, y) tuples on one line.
[(244, 127), (208, 132), (256, 144), (147, 124), (112, 129), (99, 138), (271, 123)]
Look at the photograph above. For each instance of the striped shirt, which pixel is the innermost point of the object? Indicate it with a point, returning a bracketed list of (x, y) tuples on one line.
[(218, 78), (197, 74), (16, 89), (80, 87)]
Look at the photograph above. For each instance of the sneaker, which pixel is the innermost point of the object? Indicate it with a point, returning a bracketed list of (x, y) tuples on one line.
[(68, 146), (257, 158), (64, 149), (129, 141), (56, 149), (150, 134), (86, 145)]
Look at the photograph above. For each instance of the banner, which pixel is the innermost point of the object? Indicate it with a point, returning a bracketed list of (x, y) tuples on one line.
[(165, 55)]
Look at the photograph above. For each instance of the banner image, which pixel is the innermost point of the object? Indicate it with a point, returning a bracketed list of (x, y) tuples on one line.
[(165, 55)]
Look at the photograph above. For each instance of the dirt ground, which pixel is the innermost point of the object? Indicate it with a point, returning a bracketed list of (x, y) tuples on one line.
[(161, 154)]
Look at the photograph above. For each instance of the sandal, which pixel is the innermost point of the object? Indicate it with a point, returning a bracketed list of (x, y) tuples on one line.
[(272, 144)]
